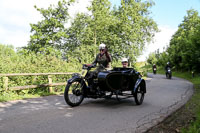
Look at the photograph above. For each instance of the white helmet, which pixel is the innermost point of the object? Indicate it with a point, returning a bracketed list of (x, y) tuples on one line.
[(102, 46), (124, 60)]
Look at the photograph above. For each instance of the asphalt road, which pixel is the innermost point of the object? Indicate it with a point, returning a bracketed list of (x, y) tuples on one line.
[(52, 115)]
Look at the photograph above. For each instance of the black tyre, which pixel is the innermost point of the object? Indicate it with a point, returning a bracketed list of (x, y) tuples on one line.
[(139, 95), (74, 93), (154, 72), (169, 76)]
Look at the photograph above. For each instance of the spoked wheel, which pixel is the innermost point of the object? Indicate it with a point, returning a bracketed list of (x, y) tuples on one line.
[(74, 93), (139, 95)]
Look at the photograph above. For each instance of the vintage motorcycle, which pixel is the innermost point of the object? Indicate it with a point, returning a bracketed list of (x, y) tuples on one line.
[(122, 82), (169, 73)]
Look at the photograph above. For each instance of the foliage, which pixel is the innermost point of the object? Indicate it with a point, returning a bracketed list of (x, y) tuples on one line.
[(184, 45), (54, 47), (152, 58), (50, 32), (125, 30), (134, 28), (23, 61), (183, 51)]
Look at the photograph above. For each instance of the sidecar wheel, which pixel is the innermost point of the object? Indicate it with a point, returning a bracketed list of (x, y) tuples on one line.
[(74, 93), (139, 95)]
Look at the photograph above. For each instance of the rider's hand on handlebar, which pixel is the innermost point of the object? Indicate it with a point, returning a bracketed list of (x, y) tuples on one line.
[(90, 65)]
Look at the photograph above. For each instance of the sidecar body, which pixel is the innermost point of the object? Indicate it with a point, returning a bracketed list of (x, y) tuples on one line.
[(123, 79)]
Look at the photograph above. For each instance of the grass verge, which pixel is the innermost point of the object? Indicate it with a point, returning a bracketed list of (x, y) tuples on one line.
[(25, 94)]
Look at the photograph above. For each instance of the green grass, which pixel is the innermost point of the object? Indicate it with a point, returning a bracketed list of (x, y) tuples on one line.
[(10, 97), (25, 94), (194, 106)]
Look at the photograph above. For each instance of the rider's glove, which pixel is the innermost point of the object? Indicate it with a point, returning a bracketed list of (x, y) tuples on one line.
[(90, 65)]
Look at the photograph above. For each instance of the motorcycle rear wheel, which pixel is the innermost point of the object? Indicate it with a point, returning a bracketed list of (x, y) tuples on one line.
[(74, 93)]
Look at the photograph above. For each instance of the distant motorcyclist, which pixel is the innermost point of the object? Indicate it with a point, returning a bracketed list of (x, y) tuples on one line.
[(154, 68), (124, 62), (167, 66), (167, 69)]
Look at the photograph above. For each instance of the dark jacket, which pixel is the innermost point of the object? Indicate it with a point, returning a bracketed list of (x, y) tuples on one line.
[(103, 59), (167, 66)]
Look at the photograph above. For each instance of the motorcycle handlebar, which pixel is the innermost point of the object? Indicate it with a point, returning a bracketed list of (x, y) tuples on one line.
[(88, 66)]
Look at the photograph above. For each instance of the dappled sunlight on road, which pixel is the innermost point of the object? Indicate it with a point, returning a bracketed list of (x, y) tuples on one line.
[(42, 103), (68, 115)]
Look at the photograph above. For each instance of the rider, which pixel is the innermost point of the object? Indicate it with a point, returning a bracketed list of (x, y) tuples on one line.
[(103, 58), (154, 67), (167, 66), (124, 62)]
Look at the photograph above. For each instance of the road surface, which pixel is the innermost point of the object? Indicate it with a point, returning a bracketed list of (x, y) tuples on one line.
[(51, 114)]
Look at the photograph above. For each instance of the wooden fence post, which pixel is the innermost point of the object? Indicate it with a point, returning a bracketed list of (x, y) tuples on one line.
[(50, 82), (5, 83)]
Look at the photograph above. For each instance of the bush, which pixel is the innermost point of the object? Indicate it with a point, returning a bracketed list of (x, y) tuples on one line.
[(24, 61)]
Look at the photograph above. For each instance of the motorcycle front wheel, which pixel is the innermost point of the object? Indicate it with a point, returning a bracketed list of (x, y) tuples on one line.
[(74, 93), (168, 76)]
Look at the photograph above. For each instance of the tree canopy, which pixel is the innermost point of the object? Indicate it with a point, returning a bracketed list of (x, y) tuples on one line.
[(184, 45), (183, 51), (124, 29)]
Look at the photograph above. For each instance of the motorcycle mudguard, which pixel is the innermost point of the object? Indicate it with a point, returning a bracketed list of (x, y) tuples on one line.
[(76, 77), (138, 82)]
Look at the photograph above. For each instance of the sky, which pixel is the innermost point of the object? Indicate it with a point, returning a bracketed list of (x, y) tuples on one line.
[(16, 16), (168, 14)]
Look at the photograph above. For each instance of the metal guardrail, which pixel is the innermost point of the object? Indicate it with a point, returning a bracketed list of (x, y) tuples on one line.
[(50, 83)]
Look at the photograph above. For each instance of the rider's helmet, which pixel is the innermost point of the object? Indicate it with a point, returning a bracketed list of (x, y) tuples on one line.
[(124, 60), (167, 63), (102, 46)]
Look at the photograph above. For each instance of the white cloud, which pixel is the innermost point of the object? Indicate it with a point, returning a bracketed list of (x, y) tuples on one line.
[(161, 40), (16, 38), (16, 16)]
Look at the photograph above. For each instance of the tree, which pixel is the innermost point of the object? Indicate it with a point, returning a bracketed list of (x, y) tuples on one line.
[(152, 58), (50, 32), (125, 30), (136, 28), (183, 49), (92, 29)]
